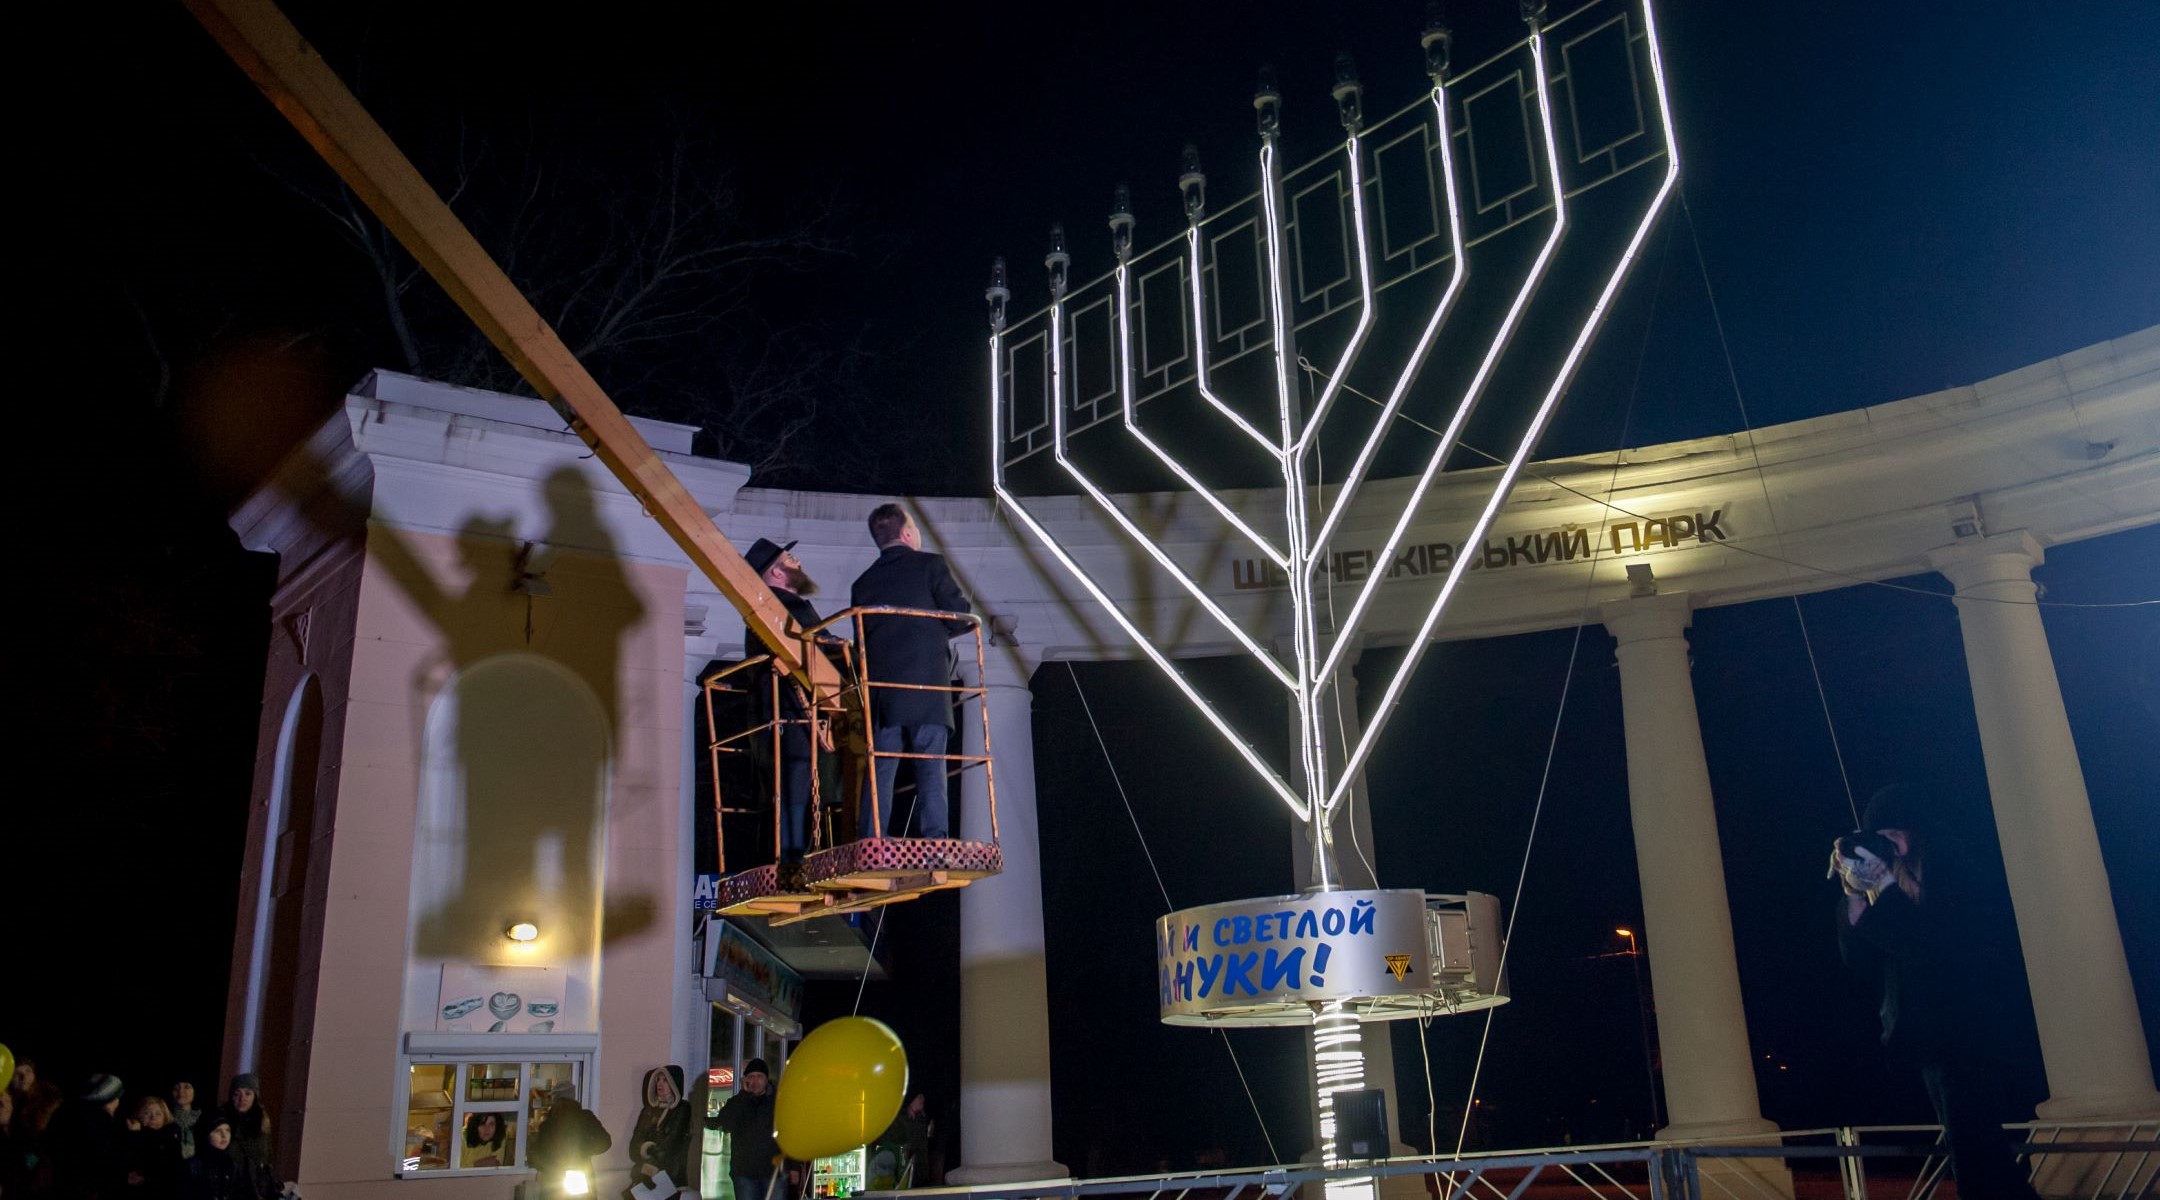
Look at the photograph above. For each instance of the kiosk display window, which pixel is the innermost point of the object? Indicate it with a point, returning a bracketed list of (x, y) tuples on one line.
[(476, 1116)]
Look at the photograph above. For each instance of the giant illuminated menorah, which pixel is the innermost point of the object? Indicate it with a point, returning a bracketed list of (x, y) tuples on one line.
[(1317, 958)]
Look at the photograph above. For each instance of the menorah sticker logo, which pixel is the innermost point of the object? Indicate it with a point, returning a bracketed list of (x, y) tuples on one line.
[(1491, 163)]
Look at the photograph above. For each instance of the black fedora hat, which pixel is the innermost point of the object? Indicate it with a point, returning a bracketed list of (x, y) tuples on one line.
[(763, 552)]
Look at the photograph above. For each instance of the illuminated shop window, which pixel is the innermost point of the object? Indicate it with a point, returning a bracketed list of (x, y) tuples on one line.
[(476, 1116)]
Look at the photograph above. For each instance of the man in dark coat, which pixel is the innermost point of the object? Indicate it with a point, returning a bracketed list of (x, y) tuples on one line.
[(747, 1119), (908, 650), (1905, 919), (784, 574), (568, 1140)]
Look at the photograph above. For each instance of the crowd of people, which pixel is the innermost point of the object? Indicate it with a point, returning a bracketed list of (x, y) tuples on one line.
[(102, 1141)]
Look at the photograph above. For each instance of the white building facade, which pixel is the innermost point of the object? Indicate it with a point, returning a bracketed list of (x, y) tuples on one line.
[(477, 717)]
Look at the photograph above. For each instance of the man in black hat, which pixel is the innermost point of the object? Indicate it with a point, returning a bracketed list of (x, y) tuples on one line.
[(783, 573), (747, 1119), (1904, 920)]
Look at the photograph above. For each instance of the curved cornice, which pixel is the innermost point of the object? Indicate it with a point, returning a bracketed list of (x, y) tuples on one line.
[(2066, 449)]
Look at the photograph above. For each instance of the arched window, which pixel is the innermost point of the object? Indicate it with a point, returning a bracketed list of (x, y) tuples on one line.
[(513, 798)]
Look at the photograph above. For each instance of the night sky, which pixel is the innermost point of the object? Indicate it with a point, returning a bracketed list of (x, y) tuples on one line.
[(1889, 199)]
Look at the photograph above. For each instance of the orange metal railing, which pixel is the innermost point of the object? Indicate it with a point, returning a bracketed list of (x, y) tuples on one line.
[(848, 704)]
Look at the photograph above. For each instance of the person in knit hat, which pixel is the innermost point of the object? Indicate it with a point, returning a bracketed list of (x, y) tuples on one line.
[(86, 1142), (216, 1173), (747, 1119), (243, 1110)]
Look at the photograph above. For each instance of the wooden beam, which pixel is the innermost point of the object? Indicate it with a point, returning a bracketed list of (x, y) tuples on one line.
[(265, 45)]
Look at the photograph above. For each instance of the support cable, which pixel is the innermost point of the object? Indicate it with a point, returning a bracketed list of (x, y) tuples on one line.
[(1161, 887), (1762, 479), (1567, 683)]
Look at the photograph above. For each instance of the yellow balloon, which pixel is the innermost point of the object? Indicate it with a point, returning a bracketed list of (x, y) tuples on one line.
[(7, 1066), (842, 1087)]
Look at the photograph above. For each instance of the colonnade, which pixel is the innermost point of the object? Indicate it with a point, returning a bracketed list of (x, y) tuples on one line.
[(2098, 1065)]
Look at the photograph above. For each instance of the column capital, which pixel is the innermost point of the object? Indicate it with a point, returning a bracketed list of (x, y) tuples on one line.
[(1648, 618), (1003, 667), (1996, 558)]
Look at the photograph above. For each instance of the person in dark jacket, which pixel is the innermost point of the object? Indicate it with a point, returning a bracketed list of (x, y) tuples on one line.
[(37, 1101), (747, 1119), (660, 1139), (185, 1115), (1904, 919), (86, 1141), (151, 1151), (783, 573), (908, 650), (15, 1158), (568, 1140), (216, 1173), (243, 1110)]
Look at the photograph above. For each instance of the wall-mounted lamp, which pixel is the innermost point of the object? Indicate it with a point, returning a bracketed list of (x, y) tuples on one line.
[(523, 931), (1642, 581)]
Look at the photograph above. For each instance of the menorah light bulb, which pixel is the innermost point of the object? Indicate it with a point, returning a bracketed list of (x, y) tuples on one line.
[(1348, 92), (1057, 262), (1192, 184), (997, 294), (1267, 103), (1438, 42), (1121, 222)]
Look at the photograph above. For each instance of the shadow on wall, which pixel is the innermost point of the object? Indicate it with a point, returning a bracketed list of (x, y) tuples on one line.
[(521, 697), (522, 702)]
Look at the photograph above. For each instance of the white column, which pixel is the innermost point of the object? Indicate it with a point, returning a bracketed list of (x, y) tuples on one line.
[(2097, 1062), (1004, 1002), (1358, 860), (1694, 981)]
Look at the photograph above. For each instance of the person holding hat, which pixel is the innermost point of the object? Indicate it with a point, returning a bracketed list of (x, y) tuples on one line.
[(747, 1119), (1904, 920), (783, 573)]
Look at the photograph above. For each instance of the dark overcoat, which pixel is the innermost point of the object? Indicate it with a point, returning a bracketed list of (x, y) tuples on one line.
[(791, 707), (910, 649)]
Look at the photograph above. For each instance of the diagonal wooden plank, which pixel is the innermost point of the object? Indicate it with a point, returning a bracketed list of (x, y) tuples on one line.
[(265, 45)]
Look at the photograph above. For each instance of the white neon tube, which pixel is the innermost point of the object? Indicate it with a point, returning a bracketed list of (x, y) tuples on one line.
[(1475, 391), (1200, 341), (1561, 378), (1356, 478), (1365, 306), (1109, 506), (1311, 750), (1019, 509), (1132, 426)]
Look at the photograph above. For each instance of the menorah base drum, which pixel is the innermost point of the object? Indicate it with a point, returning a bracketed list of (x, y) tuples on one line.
[(1379, 954)]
